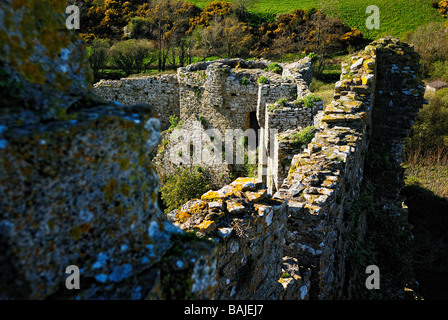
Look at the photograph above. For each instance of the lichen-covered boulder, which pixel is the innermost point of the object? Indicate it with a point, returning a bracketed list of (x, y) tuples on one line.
[(43, 61), (76, 183)]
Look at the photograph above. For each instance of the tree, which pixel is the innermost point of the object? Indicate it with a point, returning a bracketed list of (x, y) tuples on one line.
[(129, 55), (324, 37), (167, 22), (97, 55), (105, 18), (242, 7), (289, 33), (210, 13), (224, 36), (182, 187), (431, 42)]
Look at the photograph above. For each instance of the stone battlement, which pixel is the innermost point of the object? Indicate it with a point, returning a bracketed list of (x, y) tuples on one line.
[(77, 186), (324, 180)]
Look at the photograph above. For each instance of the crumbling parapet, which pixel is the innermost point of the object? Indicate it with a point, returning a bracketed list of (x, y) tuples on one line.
[(248, 227), (274, 150), (324, 181), (76, 184), (161, 91)]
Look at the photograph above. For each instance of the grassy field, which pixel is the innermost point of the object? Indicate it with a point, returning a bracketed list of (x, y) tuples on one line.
[(396, 16)]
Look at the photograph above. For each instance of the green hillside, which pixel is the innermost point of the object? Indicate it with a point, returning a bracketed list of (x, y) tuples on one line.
[(396, 16)]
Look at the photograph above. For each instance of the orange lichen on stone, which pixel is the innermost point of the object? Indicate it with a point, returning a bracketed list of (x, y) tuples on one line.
[(206, 226), (245, 184), (182, 216), (235, 207), (32, 73), (255, 196), (211, 196)]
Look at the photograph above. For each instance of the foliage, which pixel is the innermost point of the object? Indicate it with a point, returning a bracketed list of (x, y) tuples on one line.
[(249, 170), (174, 121), (439, 70), (244, 81), (424, 42), (213, 10), (180, 29), (308, 101), (275, 67), (313, 56), (282, 101), (97, 55), (387, 244), (262, 79), (106, 18), (182, 187), (167, 23), (223, 36), (201, 119), (443, 7), (354, 37), (430, 130), (129, 55), (305, 135)]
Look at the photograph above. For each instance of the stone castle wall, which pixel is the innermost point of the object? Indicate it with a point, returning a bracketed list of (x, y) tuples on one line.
[(248, 225), (222, 95), (77, 186), (280, 117), (221, 92), (325, 179), (160, 91)]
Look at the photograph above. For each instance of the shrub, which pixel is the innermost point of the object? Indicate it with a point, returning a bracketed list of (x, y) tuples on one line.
[(313, 56), (423, 39), (249, 170), (244, 81), (305, 135), (275, 67), (443, 7), (263, 79), (434, 5), (430, 130), (282, 101), (201, 119), (174, 121), (129, 55), (308, 101), (97, 55), (439, 69), (182, 187)]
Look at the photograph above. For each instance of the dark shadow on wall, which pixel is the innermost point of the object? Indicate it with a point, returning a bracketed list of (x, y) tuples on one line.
[(428, 214)]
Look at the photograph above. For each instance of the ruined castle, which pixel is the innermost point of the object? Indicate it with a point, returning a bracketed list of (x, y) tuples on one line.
[(77, 186), (226, 94)]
